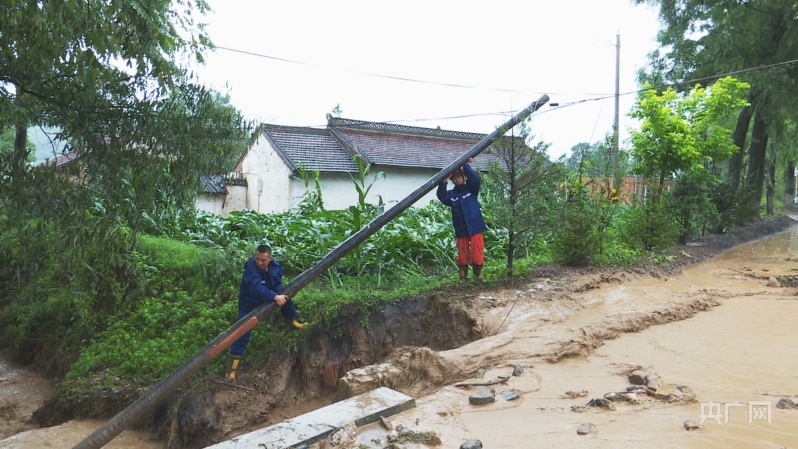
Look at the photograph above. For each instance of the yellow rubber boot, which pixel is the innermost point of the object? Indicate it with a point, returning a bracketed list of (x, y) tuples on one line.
[(232, 366), (297, 324)]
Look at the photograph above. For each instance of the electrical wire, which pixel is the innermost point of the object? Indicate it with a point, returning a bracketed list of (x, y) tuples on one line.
[(507, 316), (506, 113), (374, 75)]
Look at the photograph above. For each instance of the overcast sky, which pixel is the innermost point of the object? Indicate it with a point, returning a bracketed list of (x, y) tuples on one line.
[(464, 66)]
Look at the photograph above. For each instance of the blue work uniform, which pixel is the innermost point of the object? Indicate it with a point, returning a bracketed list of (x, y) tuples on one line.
[(259, 287)]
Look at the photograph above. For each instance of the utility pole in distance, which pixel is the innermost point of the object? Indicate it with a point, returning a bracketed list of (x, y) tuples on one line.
[(616, 131)]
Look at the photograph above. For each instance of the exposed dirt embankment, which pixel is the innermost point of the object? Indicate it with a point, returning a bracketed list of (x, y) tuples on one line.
[(209, 411)]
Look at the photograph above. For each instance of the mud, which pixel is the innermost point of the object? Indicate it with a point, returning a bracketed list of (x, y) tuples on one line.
[(440, 338), (21, 393)]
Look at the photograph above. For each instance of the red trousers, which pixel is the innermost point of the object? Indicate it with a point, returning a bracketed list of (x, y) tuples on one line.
[(471, 250)]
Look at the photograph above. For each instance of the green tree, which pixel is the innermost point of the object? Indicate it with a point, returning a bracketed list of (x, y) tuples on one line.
[(595, 159), (756, 39), (647, 224), (109, 76), (682, 133), (578, 237), (7, 138), (523, 184), (680, 136), (114, 78), (689, 203), (787, 163)]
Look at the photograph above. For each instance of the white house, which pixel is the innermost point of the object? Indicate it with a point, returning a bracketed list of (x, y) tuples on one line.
[(267, 177)]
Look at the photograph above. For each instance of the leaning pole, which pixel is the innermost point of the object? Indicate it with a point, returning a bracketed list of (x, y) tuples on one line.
[(159, 392)]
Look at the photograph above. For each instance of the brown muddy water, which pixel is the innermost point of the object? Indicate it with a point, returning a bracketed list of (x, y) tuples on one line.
[(717, 328)]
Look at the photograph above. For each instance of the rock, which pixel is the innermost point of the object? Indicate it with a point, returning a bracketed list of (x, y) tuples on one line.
[(586, 429), (576, 394), (600, 402), (480, 373), (691, 425), (482, 397), (773, 282), (508, 395), (362, 380), (652, 381), (637, 378), (385, 423), (673, 393), (687, 391), (471, 444), (518, 370), (785, 403), (427, 438), (345, 436)]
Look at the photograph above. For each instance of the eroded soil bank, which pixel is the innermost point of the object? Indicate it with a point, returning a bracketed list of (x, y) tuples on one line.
[(551, 324), (734, 355)]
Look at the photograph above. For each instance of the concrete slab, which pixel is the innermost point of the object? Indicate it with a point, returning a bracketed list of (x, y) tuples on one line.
[(314, 426)]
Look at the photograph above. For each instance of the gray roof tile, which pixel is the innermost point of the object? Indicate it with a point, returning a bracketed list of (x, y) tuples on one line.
[(408, 146), (213, 184), (313, 148), (332, 149)]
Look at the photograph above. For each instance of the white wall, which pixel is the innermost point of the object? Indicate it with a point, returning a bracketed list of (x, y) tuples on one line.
[(399, 183), (236, 199), (339, 192), (282, 191), (264, 164), (211, 203)]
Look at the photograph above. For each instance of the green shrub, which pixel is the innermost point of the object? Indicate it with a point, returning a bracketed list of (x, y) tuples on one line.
[(579, 238), (648, 226)]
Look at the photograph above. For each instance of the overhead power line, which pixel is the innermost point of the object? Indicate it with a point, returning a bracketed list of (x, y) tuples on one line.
[(375, 75), (506, 113)]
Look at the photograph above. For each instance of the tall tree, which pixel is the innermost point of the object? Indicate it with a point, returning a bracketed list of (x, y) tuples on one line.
[(523, 184), (592, 159), (787, 163), (114, 79), (111, 77), (758, 38)]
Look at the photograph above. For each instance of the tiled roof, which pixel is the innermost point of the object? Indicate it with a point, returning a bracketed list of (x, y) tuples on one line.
[(331, 149), (213, 185), (62, 160), (407, 146), (313, 148)]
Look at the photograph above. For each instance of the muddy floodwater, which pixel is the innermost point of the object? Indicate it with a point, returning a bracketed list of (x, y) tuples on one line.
[(717, 331)]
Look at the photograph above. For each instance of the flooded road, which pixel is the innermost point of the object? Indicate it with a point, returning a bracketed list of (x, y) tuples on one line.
[(717, 328), (729, 338)]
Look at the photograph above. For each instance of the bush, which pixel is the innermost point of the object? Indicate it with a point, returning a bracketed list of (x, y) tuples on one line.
[(648, 226), (578, 238)]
